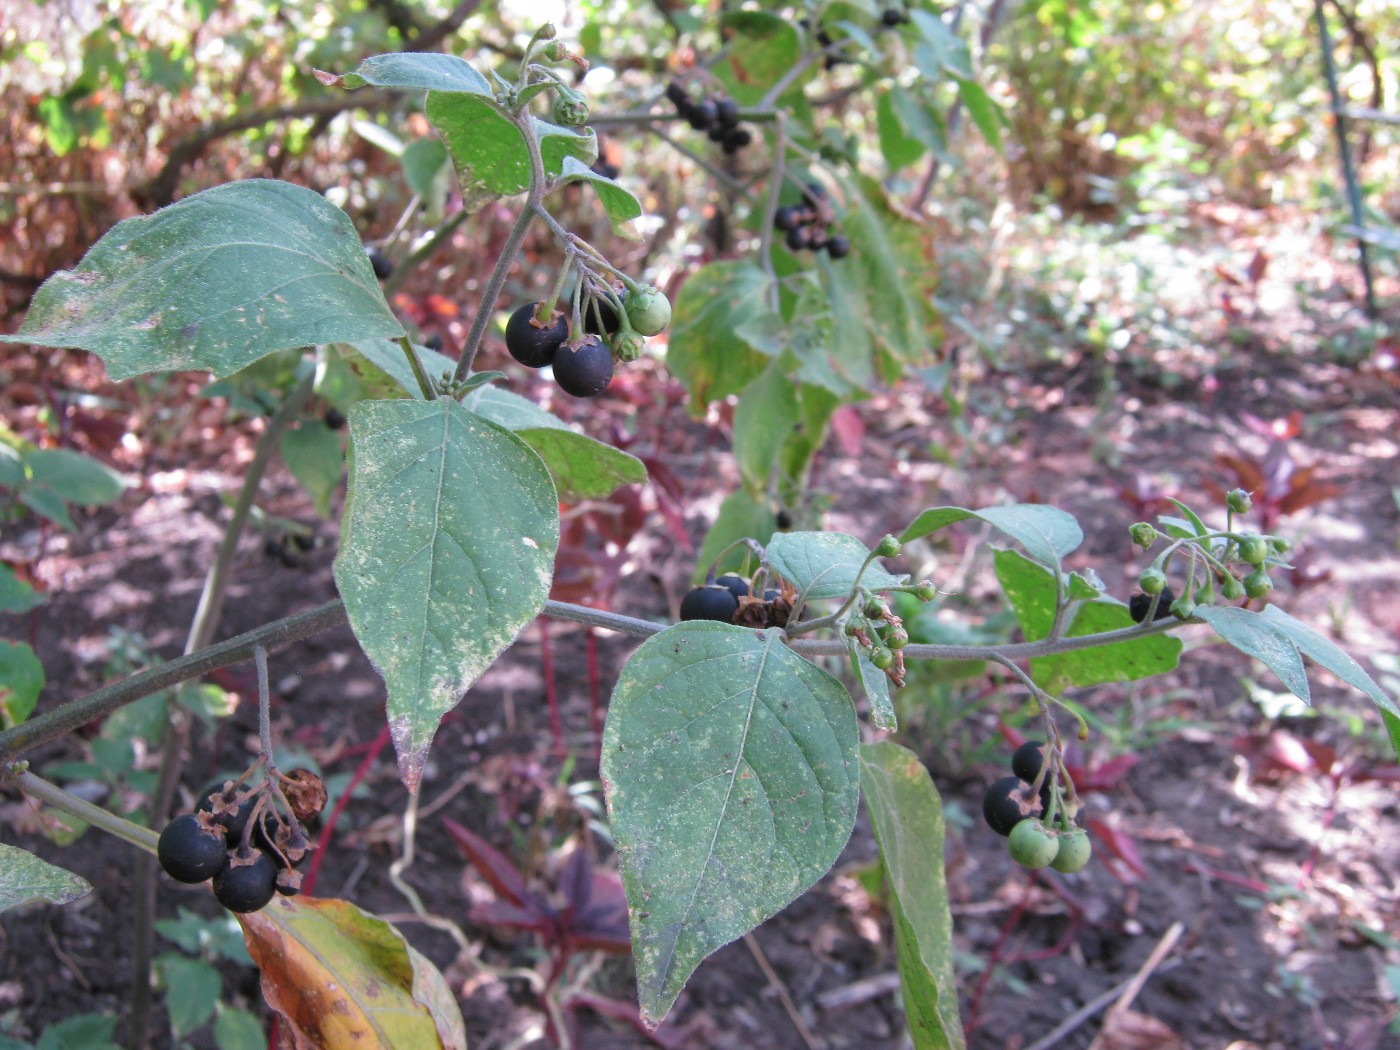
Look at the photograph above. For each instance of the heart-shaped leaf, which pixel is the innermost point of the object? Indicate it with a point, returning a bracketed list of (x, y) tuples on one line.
[(732, 783), (824, 564)]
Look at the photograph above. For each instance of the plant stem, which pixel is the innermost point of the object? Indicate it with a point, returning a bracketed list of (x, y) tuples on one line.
[(419, 372), (514, 241), (55, 796)]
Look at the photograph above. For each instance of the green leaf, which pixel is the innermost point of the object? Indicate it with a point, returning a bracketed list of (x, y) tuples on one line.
[(220, 937), (46, 503), (899, 147), (422, 160), (984, 112), (907, 817), (448, 542), (582, 468), (939, 51), (732, 786), (824, 564), (387, 358), (739, 515), (21, 681), (704, 352), (620, 206), (215, 282), (192, 988), (875, 684), (238, 1030), (1030, 588), (1265, 640), (74, 477), (424, 71), (764, 419), (1321, 650), (488, 151), (313, 454), (763, 48), (16, 596), (25, 879), (1047, 533), (1197, 525), (84, 1032)]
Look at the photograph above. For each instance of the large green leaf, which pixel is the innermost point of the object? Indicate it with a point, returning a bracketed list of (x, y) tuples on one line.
[(582, 468), (764, 419), (21, 681), (704, 351), (824, 564), (732, 784), (448, 543), (620, 206), (487, 148), (74, 477), (907, 816), (388, 361), (1030, 588), (425, 71), (1323, 651), (762, 48), (1047, 533), (899, 147), (215, 282), (24, 879), (1262, 639), (313, 454)]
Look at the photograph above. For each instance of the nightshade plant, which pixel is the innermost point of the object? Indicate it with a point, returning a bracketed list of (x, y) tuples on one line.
[(731, 754)]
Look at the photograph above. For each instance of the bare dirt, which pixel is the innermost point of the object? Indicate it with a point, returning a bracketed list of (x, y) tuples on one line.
[(1268, 846)]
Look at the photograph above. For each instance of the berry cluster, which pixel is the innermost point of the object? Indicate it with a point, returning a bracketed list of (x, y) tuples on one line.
[(730, 600), (614, 326), (717, 116), (1014, 808), (808, 225), (240, 840)]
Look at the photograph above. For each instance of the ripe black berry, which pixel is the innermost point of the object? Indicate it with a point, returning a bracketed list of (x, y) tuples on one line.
[(702, 115), (246, 887), (676, 92), (189, 851), (1005, 805), (713, 602), (788, 217), (799, 239), (434, 342), (584, 368), (334, 418), (600, 316), (893, 16), (228, 810), (838, 247), (737, 585), (379, 263), (726, 112), (1139, 603), (736, 139), (530, 344), (1027, 760)]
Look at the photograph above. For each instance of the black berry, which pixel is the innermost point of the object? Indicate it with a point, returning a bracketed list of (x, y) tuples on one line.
[(584, 368), (248, 886), (838, 247), (379, 263), (736, 139), (676, 92), (1027, 760), (736, 585), (600, 316), (433, 342), (799, 239), (530, 344), (190, 851), (713, 602), (334, 418), (893, 16), (1139, 603), (727, 112), (788, 217), (702, 115), (228, 810), (1003, 806)]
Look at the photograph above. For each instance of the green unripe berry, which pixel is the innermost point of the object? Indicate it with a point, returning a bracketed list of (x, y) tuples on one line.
[(1031, 845), (895, 637), (1074, 852), (1239, 501), (1143, 534), (648, 309), (1183, 608), (889, 547), (1232, 590), (1280, 545), (1205, 594), (570, 109), (881, 657), (925, 591), (627, 345), (1257, 584), (876, 608), (1153, 581), (1253, 550)]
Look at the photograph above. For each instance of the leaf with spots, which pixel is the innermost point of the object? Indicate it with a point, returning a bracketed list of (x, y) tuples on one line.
[(215, 282), (731, 776), (342, 978), (25, 879), (824, 564), (447, 550)]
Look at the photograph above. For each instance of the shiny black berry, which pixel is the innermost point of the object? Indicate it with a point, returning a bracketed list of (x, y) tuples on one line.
[(737, 585), (893, 16), (736, 139), (713, 602), (600, 316), (838, 247), (726, 112), (799, 239), (190, 851), (702, 115), (789, 217), (676, 92), (584, 368), (1139, 603), (334, 418), (434, 342), (246, 887), (1027, 760), (228, 810), (1003, 806), (379, 263), (530, 344)]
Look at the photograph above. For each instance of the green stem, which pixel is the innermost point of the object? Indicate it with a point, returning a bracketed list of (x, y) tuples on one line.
[(514, 241), (416, 365), (55, 796)]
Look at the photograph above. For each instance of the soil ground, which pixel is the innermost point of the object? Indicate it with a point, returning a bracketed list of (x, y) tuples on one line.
[(1268, 840)]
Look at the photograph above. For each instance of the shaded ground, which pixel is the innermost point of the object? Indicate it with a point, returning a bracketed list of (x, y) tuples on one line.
[(1281, 876)]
